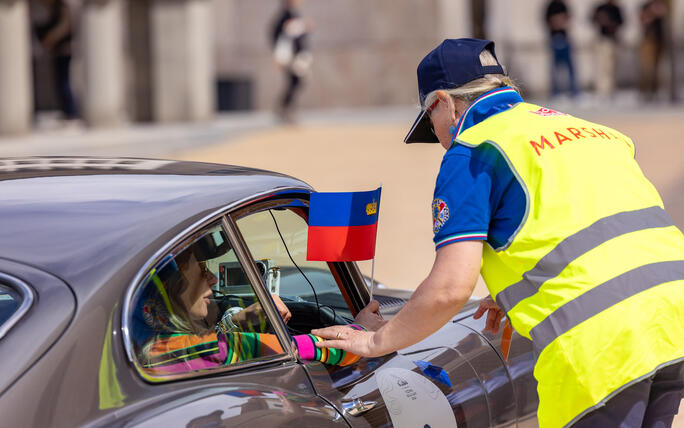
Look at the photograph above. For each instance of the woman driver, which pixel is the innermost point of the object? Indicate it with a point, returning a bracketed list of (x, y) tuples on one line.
[(176, 306)]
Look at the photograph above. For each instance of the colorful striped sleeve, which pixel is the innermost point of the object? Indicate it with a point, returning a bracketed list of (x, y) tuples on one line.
[(185, 352), (178, 353), (306, 344)]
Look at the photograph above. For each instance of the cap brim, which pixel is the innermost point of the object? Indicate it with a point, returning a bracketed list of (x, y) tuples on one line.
[(421, 131)]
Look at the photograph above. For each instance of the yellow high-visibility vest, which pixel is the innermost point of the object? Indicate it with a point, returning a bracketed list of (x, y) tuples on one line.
[(594, 275)]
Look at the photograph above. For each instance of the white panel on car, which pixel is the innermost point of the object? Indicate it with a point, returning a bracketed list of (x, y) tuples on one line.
[(413, 400)]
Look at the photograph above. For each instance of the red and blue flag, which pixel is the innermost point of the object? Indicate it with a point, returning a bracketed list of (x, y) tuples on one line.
[(343, 225)]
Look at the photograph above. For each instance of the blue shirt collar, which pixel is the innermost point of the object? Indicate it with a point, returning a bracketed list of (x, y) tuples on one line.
[(486, 105)]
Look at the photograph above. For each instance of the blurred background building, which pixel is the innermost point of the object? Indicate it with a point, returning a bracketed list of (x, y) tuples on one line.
[(184, 60)]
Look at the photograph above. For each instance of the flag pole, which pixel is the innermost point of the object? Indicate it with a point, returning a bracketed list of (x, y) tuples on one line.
[(372, 284)]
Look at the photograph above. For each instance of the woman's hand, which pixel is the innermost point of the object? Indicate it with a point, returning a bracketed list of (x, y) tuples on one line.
[(494, 314), (282, 308), (369, 317), (254, 312), (357, 342)]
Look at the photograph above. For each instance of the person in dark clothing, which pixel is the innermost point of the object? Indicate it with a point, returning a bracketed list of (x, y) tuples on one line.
[(290, 51), (608, 19), (558, 22), (53, 27), (652, 17), (478, 15)]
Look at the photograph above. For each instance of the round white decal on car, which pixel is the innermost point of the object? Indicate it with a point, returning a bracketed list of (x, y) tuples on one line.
[(413, 401)]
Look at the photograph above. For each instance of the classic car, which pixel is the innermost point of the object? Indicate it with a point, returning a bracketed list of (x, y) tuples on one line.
[(84, 242)]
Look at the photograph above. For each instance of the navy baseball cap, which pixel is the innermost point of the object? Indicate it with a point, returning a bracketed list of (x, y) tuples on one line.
[(453, 63)]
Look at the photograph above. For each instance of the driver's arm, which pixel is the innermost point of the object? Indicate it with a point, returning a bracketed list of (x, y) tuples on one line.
[(282, 308), (253, 313), (369, 317)]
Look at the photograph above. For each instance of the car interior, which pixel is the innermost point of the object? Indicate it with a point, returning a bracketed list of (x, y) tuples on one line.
[(276, 238)]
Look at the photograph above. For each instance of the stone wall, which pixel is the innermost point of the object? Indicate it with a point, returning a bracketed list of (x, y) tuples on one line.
[(366, 52)]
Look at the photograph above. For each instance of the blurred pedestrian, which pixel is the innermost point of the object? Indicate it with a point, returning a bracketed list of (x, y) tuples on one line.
[(291, 53), (52, 24), (570, 237), (478, 18), (652, 17), (558, 23), (608, 19)]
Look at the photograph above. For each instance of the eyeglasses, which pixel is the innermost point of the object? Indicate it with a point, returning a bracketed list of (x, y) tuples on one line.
[(432, 107), (428, 112)]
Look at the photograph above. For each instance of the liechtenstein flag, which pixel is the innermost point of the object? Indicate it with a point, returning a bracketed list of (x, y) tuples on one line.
[(343, 225)]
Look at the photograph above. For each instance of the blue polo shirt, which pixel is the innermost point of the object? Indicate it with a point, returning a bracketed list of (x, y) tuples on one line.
[(476, 195)]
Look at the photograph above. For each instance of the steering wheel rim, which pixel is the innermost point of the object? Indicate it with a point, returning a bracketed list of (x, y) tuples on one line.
[(306, 316)]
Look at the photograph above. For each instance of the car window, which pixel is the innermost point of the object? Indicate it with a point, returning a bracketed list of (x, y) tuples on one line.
[(10, 301), (277, 238), (196, 310)]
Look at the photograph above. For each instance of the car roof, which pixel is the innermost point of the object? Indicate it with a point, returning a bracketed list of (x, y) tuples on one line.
[(84, 219)]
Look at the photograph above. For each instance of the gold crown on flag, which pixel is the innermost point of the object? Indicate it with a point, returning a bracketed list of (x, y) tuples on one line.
[(372, 208)]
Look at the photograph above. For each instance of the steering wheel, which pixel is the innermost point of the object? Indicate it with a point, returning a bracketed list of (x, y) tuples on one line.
[(306, 316)]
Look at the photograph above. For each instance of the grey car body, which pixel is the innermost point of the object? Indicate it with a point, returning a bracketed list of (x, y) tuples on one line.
[(78, 234)]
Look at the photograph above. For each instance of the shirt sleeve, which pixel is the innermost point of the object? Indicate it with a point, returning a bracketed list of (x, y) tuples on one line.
[(306, 345), (461, 208)]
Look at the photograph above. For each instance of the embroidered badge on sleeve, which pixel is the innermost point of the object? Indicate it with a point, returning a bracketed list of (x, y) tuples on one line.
[(440, 214)]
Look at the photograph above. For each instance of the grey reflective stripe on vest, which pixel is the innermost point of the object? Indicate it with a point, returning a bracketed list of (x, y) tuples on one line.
[(552, 264), (602, 297)]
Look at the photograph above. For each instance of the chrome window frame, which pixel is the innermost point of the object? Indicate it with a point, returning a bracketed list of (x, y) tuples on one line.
[(218, 216), (245, 258), (28, 295), (263, 206)]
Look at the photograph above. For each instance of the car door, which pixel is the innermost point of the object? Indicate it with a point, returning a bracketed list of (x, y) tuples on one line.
[(198, 371), (317, 294)]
